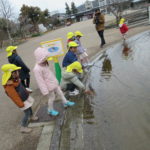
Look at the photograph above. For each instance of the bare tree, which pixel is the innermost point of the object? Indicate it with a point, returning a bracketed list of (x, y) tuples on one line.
[(117, 9), (6, 13)]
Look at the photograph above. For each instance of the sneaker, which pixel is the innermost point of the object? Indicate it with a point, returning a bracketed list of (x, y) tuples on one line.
[(25, 130), (74, 93), (53, 112), (69, 103), (34, 118), (84, 65), (89, 65), (29, 90), (86, 70)]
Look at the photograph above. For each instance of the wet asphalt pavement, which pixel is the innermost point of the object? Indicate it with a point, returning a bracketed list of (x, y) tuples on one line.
[(117, 117)]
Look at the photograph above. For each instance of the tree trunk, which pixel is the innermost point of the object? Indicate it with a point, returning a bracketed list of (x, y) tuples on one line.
[(9, 35)]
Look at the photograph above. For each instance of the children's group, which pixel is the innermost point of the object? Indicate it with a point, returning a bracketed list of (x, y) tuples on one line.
[(16, 78)]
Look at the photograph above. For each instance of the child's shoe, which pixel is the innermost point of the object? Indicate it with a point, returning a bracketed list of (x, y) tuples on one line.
[(25, 130), (29, 90), (34, 118), (89, 64), (69, 103), (53, 112), (74, 93)]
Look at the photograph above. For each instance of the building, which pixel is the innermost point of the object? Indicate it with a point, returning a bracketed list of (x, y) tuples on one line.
[(104, 3), (86, 10)]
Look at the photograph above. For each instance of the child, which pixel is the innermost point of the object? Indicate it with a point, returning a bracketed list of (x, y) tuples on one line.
[(16, 91), (81, 52), (14, 58), (70, 80), (123, 28), (47, 82), (70, 37), (70, 56)]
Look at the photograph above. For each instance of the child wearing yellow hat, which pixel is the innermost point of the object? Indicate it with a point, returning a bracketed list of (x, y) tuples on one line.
[(70, 81), (123, 28), (70, 56), (14, 58), (18, 94), (81, 51), (70, 37)]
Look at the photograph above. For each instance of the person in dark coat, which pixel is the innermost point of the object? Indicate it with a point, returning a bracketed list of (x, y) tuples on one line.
[(14, 58), (99, 21), (70, 56)]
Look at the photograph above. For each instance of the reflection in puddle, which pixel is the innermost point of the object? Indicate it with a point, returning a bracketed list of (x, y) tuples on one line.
[(88, 113), (106, 68), (126, 52)]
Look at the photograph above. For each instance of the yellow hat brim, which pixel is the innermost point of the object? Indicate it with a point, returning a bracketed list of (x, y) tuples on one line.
[(80, 71), (69, 69), (79, 34), (69, 37), (50, 58), (6, 76), (9, 51), (9, 54)]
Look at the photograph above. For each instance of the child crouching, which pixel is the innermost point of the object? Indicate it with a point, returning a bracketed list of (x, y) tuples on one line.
[(47, 82), (70, 81), (18, 94)]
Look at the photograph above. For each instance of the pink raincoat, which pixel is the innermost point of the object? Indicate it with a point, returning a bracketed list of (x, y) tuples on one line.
[(45, 78)]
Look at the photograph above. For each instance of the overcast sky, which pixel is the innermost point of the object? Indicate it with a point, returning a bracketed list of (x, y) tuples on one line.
[(51, 5)]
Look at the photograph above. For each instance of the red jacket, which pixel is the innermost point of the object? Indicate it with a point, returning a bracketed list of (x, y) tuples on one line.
[(124, 29), (69, 40)]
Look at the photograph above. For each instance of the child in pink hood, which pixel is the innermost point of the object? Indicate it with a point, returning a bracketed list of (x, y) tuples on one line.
[(47, 82)]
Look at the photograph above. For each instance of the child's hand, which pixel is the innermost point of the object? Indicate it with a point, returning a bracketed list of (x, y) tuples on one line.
[(89, 92)]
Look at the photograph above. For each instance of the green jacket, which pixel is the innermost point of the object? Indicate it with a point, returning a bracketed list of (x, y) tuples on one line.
[(70, 77)]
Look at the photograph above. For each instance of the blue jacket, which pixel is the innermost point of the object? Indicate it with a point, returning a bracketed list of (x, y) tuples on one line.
[(24, 72), (69, 58)]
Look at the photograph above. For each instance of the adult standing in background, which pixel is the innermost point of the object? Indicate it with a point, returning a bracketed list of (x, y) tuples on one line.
[(99, 21)]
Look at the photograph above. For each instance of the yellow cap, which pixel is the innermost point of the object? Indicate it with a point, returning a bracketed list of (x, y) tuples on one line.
[(72, 44), (122, 20), (8, 69), (70, 35), (78, 33), (10, 49), (75, 65), (50, 58)]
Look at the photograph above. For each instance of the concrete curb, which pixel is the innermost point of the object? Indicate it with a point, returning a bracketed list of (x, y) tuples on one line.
[(45, 139)]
